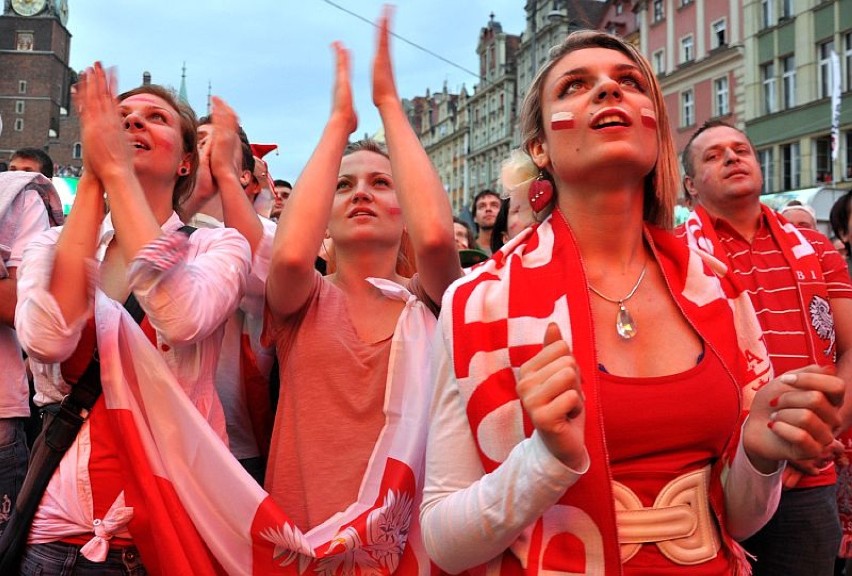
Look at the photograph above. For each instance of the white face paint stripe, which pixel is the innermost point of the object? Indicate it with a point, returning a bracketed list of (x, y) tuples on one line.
[(649, 118), (562, 120)]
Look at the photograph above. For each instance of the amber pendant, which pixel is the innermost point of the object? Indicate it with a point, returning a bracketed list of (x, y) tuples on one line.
[(625, 325)]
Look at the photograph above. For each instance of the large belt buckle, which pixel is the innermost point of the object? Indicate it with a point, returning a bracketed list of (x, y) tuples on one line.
[(680, 523)]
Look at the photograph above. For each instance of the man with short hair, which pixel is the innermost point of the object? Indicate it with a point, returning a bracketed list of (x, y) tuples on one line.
[(281, 192), (801, 292), (486, 205), (32, 160), (244, 365)]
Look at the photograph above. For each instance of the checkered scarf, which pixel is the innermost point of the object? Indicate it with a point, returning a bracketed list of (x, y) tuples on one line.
[(498, 317)]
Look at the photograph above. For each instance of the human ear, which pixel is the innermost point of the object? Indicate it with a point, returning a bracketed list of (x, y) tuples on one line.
[(689, 186), (538, 153)]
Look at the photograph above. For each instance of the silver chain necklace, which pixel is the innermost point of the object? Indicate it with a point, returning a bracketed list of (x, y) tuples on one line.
[(625, 325)]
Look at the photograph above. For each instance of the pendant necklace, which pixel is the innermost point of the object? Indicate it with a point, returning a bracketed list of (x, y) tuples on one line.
[(625, 325)]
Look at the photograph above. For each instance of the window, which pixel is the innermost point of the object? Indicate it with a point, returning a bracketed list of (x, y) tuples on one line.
[(658, 61), (22, 86), (792, 166), (77, 151), (687, 49), (767, 167), (659, 14), (686, 2), (619, 8), (788, 70), (24, 41), (720, 92), (767, 75), (825, 75), (19, 106), (822, 156), (767, 16), (718, 37), (19, 124), (687, 108), (847, 56), (786, 9)]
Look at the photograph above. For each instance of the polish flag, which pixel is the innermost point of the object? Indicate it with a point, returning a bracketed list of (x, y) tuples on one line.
[(196, 511), (562, 120)]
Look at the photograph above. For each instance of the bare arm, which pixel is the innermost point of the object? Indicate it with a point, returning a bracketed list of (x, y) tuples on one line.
[(238, 211), (69, 279), (305, 216), (425, 205)]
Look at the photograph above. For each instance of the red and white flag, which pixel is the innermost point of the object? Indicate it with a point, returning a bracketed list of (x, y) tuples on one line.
[(196, 511)]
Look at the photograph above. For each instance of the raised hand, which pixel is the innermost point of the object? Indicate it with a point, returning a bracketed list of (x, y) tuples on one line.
[(551, 393), (794, 417), (224, 143), (108, 152), (384, 86), (343, 108)]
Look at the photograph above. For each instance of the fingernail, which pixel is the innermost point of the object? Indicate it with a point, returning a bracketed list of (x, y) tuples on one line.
[(773, 416), (770, 424), (774, 402), (788, 378)]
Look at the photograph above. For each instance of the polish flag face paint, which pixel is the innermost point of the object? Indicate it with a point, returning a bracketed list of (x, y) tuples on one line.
[(562, 121), (649, 119)]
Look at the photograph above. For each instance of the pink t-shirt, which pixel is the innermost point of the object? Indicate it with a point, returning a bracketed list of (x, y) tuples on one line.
[(330, 405)]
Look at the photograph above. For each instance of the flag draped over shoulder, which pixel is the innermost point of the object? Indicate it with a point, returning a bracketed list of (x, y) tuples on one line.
[(196, 511)]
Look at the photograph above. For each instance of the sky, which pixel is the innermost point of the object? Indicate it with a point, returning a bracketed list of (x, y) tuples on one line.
[(271, 59)]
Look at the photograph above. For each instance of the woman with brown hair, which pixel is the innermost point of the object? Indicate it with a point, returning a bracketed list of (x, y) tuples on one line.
[(593, 373), (99, 514)]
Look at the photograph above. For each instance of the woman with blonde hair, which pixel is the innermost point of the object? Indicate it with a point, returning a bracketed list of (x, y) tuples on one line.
[(590, 386), (354, 346)]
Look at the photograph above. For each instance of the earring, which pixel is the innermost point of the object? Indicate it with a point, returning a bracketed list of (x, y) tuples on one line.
[(183, 171), (540, 192)]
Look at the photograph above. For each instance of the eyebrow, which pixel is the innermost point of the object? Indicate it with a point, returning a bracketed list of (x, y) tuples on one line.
[(585, 71), (148, 108)]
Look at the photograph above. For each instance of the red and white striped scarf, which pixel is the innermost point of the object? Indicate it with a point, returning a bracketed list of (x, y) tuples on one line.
[(196, 511), (498, 315)]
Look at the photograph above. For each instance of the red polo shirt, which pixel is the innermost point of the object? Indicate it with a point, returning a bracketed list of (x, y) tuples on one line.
[(770, 282)]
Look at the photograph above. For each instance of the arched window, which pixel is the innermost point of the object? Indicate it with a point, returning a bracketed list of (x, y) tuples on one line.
[(77, 151)]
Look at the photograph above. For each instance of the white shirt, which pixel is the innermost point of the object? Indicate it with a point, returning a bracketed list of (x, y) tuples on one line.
[(186, 300), (28, 215)]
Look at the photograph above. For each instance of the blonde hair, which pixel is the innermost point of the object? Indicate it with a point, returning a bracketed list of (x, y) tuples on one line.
[(662, 184)]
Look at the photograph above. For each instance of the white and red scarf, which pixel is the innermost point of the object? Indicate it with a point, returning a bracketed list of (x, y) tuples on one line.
[(196, 511), (498, 318), (803, 261)]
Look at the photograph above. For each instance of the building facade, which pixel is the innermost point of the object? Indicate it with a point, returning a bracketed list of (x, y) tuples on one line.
[(696, 48), (441, 123), (492, 107), (789, 76)]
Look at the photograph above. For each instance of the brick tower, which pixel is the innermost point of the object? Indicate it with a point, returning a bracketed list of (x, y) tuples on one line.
[(34, 73)]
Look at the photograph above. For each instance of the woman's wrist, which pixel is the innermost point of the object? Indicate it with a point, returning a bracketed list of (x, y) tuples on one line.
[(752, 440)]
